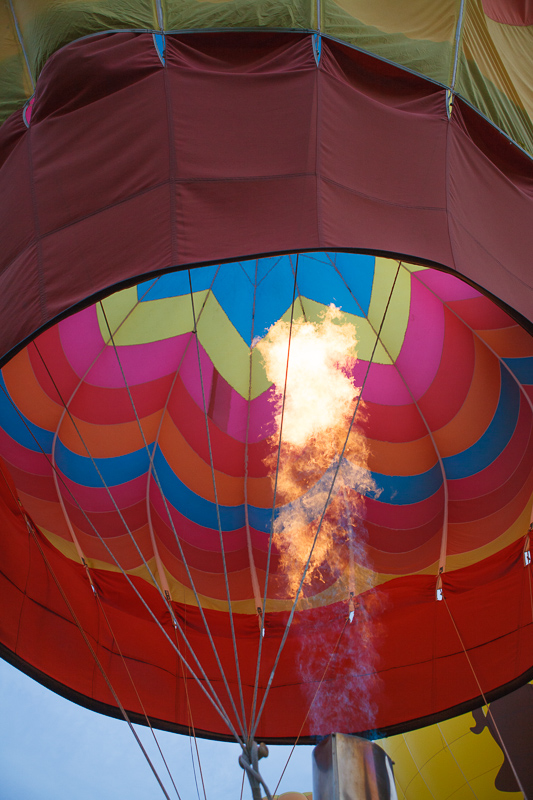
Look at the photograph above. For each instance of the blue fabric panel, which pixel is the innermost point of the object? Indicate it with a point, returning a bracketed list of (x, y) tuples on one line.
[(358, 272), (235, 292), (159, 42), (496, 437), (114, 471), (319, 281), (274, 288), (19, 427), (176, 284), (402, 490), (522, 369), (199, 510)]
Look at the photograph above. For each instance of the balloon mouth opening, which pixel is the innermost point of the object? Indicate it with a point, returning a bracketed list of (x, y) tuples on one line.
[(296, 431)]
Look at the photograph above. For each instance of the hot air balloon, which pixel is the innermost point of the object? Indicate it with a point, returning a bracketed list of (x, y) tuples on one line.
[(182, 184), (465, 755)]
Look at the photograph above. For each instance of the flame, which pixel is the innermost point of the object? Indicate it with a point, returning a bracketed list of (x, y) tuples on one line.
[(322, 472)]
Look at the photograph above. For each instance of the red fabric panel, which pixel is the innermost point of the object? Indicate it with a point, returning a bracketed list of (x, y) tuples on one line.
[(394, 423), (234, 131), (509, 462), (422, 668)]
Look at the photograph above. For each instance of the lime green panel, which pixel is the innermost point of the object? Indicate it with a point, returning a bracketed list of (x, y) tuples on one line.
[(395, 315), (507, 116), (133, 322), (47, 25), (417, 34), (515, 48), (15, 82), (229, 352), (224, 14), (494, 73), (15, 88), (366, 334)]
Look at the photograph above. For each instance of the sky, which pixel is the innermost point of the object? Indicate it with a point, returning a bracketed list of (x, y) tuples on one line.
[(52, 749)]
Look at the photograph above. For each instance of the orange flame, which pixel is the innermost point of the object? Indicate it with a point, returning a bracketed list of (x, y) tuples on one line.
[(314, 407)]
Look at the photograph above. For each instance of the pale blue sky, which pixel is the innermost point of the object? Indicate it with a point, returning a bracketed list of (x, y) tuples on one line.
[(51, 749)]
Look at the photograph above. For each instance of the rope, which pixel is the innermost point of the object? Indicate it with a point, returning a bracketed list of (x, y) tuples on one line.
[(191, 726), (293, 609), (213, 698), (333, 652), (190, 721), (60, 422), (255, 582), (149, 724), (482, 693), (529, 567), (271, 536), (151, 456), (249, 761), (32, 531), (104, 484), (156, 585), (244, 727)]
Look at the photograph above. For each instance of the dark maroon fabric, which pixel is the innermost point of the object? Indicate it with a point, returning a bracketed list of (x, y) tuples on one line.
[(242, 146), (382, 180)]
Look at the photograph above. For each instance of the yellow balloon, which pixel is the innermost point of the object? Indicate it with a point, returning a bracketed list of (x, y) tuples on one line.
[(462, 757), (293, 796)]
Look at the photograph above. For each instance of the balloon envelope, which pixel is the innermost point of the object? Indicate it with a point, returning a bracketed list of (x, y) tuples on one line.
[(465, 756), (137, 497)]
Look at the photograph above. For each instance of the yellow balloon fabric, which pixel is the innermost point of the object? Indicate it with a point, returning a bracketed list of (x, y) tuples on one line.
[(462, 758)]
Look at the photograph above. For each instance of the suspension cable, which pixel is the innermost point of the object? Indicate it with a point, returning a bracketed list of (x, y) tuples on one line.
[(273, 515), (66, 411), (444, 536), (253, 571), (130, 676), (123, 711), (333, 652), (243, 723), (192, 726), (211, 695), (153, 470), (121, 516), (482, 693), (337, 468)]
